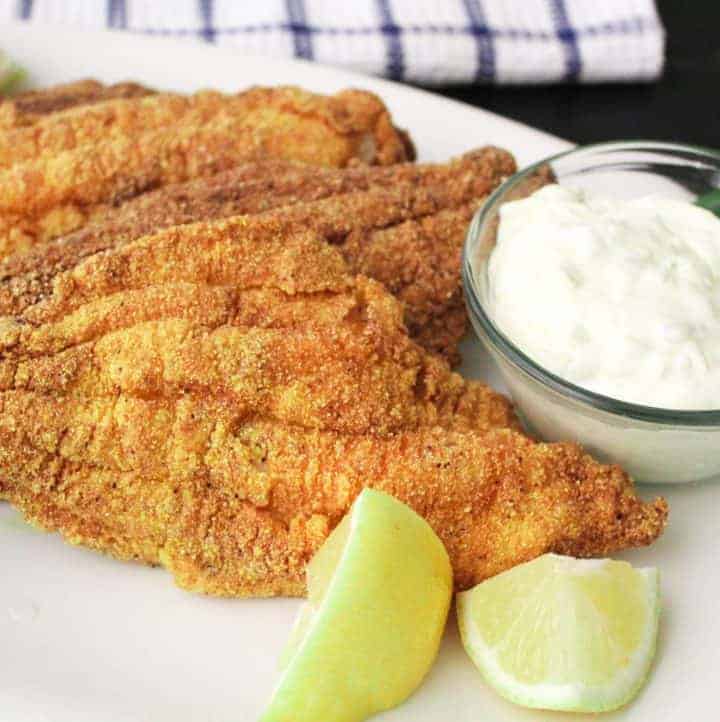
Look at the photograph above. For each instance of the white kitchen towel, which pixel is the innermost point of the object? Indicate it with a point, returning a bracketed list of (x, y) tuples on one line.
[(421, 41)]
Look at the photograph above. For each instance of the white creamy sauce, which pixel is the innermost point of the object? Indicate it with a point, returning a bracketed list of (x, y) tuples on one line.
[(619, 297)]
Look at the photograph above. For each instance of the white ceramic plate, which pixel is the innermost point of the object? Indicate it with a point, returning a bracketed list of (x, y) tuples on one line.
[(84, 638)]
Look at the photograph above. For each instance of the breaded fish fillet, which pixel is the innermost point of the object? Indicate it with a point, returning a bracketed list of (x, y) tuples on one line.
[(238, 507), (26, 109), (213, 398), (56, 193), (101, 122), (403, 225), (181, 338)]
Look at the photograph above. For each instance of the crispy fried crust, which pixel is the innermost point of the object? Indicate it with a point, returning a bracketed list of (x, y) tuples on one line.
[(360, 377), (237, 507), (403, 225), (26, 109), (214, 397), (58, 192), (100, 122), (246, 296), (352, 112), (419, 262)]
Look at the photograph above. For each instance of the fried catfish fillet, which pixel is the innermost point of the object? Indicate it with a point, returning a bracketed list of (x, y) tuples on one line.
[(403, 225), (212, 398), (54, 193), (25, 109), (351, 112)]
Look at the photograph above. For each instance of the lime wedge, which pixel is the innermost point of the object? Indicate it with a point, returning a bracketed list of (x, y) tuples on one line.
[(379, 590), (563, 634)]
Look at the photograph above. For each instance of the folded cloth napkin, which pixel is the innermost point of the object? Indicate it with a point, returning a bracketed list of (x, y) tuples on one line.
[(422, 41)]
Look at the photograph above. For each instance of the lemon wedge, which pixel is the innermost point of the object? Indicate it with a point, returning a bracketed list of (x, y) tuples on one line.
[(379, 590), (563, 634)]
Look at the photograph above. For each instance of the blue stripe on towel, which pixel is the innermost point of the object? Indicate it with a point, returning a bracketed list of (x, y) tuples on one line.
[(298, 26), (395, 68), (206, 13), (117, 14), (632, 26), (479, 29), (405, 38), (25, 8), (568, 37)]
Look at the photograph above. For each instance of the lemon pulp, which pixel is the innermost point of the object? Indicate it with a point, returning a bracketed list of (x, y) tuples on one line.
[(562, 633)]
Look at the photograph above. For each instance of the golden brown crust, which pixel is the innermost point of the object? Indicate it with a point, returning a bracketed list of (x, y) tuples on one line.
[(25, 109), (403, 225), (57, 192), (206, 304), (237, 508), (349, 114), (99, 122), (214, 397), (495, 500), (360, 372), (419, 262)]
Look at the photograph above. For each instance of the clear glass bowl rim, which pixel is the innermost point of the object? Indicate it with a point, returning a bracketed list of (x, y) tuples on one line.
[(508, 350)]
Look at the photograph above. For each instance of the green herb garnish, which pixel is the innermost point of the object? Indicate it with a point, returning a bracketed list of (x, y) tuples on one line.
[(711, 201), (10, 75)]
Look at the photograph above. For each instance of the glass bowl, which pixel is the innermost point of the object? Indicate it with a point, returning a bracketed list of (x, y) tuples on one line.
[(652, 444)]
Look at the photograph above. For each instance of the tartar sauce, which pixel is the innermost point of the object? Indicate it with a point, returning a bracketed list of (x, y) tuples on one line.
[(619, 297)]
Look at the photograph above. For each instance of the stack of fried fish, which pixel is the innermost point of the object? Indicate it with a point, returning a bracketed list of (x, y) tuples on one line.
[(224, 315)]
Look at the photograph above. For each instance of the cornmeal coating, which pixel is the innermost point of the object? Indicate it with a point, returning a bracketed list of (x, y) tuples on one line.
[(212, 398), (236, 506), (55, 193), (26, 109), (98, 122), (403, 225)]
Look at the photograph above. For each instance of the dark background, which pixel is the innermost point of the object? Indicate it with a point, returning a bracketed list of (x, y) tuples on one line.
[(683, 106)]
